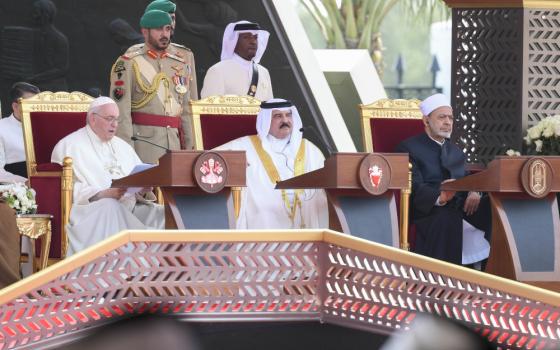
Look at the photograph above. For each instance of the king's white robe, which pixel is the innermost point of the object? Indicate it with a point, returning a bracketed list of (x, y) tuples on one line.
[(262, 206), (95, 164), (233, 77)]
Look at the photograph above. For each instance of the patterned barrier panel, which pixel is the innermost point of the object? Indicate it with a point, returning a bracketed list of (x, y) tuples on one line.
[(376, 293), (257, 276)]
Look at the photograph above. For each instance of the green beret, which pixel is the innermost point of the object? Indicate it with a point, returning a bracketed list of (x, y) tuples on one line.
[(155, 19), (162, 5)]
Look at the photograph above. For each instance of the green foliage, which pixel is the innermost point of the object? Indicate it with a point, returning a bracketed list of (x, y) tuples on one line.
[(357, 23), (356, 20), (411, 40)]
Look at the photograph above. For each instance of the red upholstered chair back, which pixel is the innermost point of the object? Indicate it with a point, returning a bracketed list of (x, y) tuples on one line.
[(219, 129), (51, 127), (387, 133), (220, 119), (385, 123), (47, 118)]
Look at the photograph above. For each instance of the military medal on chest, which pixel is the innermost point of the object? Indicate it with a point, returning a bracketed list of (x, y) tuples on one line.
[(180, 80)]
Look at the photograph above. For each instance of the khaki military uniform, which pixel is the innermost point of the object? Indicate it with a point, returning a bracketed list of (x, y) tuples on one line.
[(152, 90)]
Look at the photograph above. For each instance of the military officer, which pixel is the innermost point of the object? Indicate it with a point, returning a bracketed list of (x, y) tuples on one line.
[(152, 87), (165, 6)]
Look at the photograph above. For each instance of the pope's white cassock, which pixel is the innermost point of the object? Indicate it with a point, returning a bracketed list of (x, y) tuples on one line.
[(262, 206), (233, 74), (95, 165)]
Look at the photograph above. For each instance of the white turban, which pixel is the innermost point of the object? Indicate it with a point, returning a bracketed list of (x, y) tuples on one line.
[(230, 41), (264, 119), (100, 101), (434, 102)]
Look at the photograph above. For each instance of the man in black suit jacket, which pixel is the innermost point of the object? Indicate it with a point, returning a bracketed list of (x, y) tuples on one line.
[(438, 215)]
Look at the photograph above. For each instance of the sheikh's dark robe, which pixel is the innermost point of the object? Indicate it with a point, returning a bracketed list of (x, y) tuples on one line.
[(439, 229)]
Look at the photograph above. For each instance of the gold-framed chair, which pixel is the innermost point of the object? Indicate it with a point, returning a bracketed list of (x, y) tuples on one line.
[(385, 123), (220, 119), (48, 117)]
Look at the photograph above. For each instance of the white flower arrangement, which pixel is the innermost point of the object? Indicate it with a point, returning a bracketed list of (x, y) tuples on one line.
[(19, 197), (544, 138)]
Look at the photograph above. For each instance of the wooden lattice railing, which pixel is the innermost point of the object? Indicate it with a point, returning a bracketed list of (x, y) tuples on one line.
[(268, 275)]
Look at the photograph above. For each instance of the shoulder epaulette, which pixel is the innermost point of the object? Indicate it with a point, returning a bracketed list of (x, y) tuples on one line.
[(130, 55), (134, 48), (181, 46), (175, 57)]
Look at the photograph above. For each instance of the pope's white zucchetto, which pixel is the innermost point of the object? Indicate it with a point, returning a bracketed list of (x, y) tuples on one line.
[(100, 101), (434, 102)]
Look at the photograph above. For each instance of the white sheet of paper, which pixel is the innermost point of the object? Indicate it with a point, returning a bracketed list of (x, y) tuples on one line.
[(137, 169), (141, 167)]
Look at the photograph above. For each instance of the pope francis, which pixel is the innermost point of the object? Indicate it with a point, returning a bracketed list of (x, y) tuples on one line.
[(99, 157)]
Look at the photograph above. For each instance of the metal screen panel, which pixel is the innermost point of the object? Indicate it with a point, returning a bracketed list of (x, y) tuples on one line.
[(542, 64), (487, 67)]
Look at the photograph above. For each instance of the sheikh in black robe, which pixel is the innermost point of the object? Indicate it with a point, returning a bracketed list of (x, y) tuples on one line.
[(439, 229)]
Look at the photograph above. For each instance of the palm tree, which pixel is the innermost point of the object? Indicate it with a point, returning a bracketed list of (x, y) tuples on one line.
[(355, 24)]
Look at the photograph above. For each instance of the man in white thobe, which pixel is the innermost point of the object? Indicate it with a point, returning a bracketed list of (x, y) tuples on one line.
[(277, 153), (12, 150), (98, 158), (243, 46)]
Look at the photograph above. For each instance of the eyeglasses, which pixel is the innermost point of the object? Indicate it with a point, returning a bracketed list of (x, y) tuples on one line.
[(108, 119)]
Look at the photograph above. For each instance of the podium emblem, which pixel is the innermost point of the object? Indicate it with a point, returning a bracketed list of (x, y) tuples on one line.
[(210, 172), (536, 177), (375, 174)]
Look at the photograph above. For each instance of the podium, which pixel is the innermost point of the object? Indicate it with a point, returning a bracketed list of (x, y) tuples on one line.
[(358, 187), (196, 187), (525, 222)]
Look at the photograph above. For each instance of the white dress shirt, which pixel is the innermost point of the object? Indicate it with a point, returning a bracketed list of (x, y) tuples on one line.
[(12, 149)]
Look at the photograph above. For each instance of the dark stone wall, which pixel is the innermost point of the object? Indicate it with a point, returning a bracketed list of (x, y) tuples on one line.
[(93, 47)]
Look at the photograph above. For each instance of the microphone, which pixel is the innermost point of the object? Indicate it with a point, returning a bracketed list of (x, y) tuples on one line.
[(326, 145), (134, 138)]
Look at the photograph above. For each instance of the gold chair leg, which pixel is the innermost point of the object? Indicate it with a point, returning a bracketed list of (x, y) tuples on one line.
[(405, 199), (67, 187), (34, 260), (45, 246), (236, 193), (159, 196)]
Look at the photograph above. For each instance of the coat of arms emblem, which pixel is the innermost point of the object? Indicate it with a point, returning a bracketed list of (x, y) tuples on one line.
[(375, 175), (536, 177), (211, 170)]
